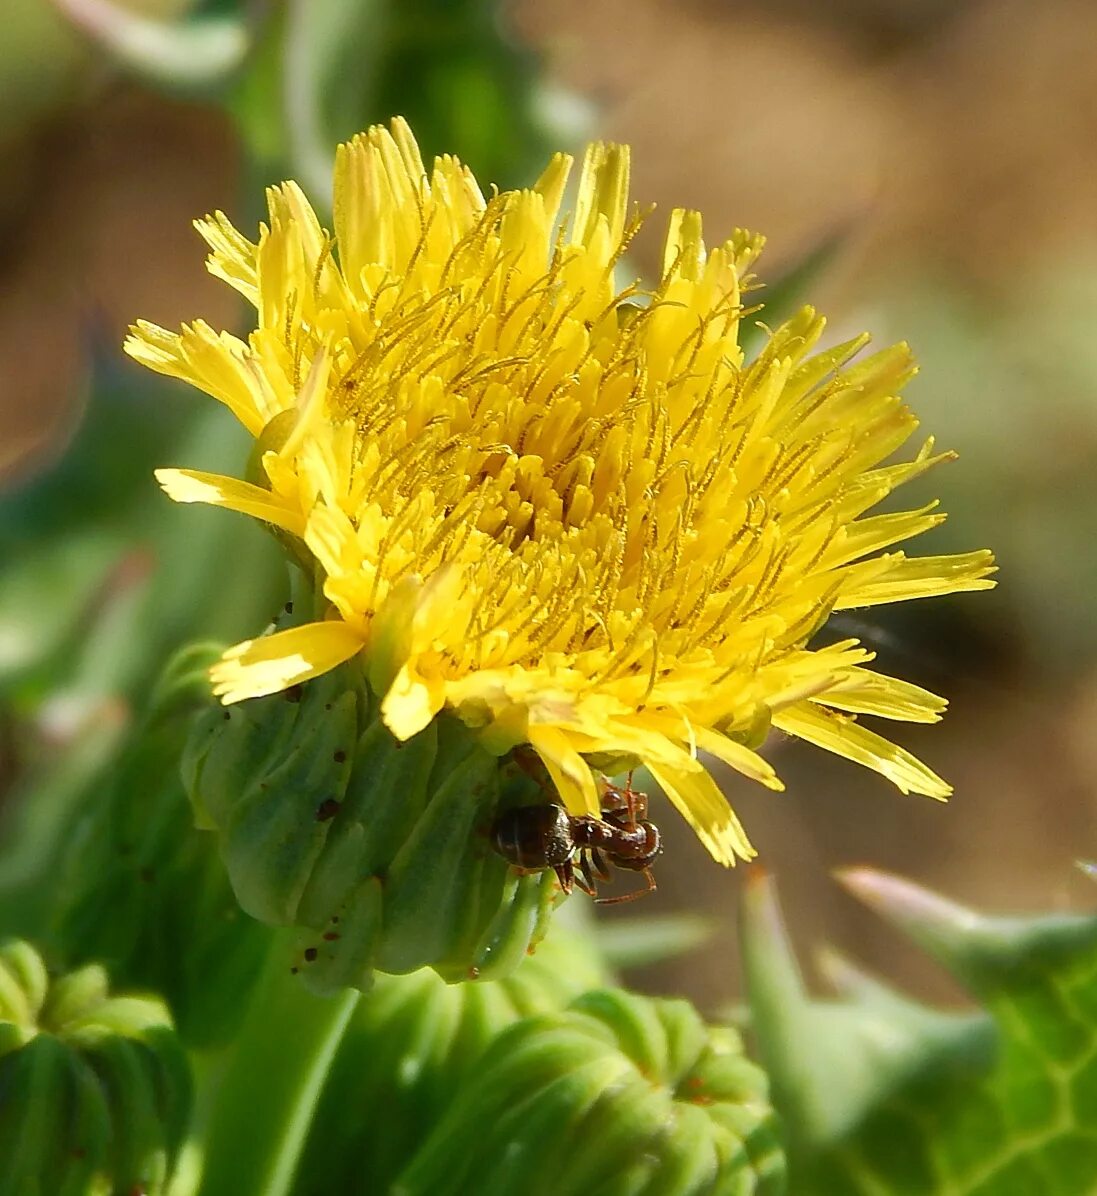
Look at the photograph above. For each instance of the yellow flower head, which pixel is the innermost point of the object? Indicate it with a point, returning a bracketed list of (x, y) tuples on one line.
[(570, 513)]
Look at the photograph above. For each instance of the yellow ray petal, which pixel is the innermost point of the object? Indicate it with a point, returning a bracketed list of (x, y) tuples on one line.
[(844, 737), (869, 692), (550, 186), (411, 702), (569, 771), (255, 668), (192, 485), (214, 362), (696, 797), (739, 757), (232, 256), (310, 405), (684, 248), (602, 193), (923, 577), (879, 531)]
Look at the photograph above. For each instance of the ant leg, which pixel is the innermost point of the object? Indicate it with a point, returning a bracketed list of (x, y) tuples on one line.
[(600, 864), (566, 875), (623, 897), (637, 804), (631, 803), (586, 880)]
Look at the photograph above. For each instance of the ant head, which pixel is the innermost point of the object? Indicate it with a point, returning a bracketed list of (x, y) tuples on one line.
[(623, 807)]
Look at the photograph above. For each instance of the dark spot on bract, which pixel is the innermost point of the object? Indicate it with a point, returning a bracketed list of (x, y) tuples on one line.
[(293, 971), (293, 694), (331, 937), (288, 608), (327, 705), (310, 954), (335, 919), (327, 809), (227, 715), (340, 756)]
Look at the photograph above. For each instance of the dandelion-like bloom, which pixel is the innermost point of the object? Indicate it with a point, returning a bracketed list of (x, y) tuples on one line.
[(570, 513)]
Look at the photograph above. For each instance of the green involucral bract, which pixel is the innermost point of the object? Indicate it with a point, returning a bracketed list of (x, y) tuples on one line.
[(617, 1094), (378, 850), (94, 1089), (879, 1094)]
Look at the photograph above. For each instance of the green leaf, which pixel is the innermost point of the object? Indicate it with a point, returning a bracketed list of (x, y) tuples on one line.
[(881, 1095)]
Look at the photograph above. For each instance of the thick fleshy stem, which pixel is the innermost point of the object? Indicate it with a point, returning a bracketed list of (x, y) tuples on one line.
[(268, 1091)]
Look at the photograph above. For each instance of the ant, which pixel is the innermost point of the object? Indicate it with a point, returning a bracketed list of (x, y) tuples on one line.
[(581, 848)]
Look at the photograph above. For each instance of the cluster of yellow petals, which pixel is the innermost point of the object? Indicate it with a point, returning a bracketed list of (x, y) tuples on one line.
[(570, 513)]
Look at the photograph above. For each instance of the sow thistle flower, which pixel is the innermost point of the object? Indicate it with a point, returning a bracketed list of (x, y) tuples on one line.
[(568, 512)]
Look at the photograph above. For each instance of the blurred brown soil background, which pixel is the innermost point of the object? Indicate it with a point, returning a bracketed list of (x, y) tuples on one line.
[(958, 142)]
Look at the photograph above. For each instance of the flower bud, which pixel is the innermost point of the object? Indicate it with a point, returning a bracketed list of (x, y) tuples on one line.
[(617, 1094), (94, 1089), (412, 1046), (377, 850)]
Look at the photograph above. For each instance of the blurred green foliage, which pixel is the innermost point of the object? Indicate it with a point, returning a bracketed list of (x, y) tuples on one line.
[(448, 66), (40, 61), (102, 584), (141, 888)]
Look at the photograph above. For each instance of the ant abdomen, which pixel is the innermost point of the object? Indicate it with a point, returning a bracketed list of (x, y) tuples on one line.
[(534, 837)]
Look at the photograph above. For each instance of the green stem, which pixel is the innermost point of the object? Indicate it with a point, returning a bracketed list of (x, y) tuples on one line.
[(271, 1083)]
